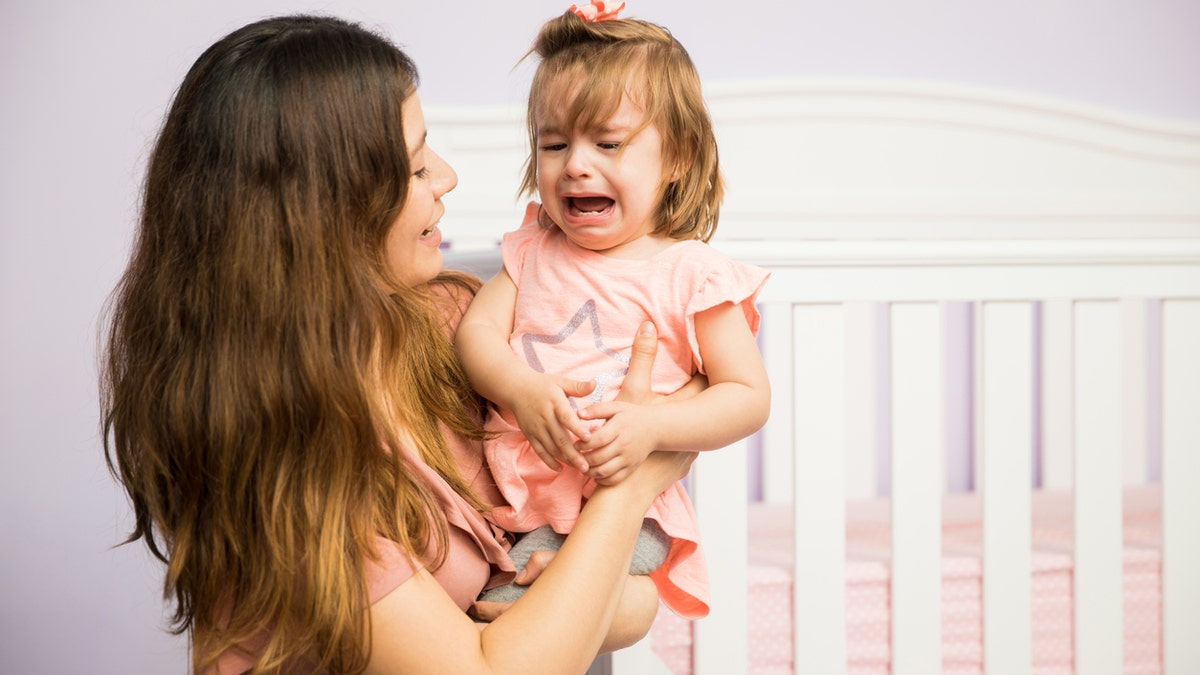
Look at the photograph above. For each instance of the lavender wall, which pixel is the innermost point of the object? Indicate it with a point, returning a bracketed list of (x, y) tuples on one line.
[(84, 85)]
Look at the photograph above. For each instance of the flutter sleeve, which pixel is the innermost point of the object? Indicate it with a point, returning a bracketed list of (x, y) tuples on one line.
[(725, 280), (516, 244)]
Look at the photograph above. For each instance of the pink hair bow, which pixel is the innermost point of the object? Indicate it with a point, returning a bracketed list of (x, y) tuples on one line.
[(597, 11)]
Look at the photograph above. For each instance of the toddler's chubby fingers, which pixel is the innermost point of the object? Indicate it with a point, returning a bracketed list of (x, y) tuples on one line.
[(611, 472), (558, 448), (568, 454), (599, 439), (602, 411), (600, 456), (546, 457), (571, 426)]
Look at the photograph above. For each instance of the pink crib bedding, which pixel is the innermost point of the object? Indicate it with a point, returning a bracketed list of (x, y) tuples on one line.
[(867, 588)]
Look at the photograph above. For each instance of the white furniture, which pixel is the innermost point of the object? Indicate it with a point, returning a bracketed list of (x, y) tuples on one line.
[(1065, 241)]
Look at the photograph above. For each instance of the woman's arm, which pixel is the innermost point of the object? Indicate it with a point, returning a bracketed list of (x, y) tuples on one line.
[(635, 612), (558, 626), (639, 602), (539, 401)]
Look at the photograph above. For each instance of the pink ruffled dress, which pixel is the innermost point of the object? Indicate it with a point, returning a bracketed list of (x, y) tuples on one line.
[(576, 314)]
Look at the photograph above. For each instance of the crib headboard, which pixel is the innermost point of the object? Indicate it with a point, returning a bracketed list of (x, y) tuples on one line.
[(884, 160), (1051, 251)]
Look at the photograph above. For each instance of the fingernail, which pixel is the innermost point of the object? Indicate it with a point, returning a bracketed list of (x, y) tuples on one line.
[(646, 329)]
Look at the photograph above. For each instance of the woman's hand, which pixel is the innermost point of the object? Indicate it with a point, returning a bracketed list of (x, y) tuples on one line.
[(538, 561), (660, 469), (616, 449)]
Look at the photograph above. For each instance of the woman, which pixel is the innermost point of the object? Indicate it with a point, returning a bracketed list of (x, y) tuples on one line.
[(282, 403)]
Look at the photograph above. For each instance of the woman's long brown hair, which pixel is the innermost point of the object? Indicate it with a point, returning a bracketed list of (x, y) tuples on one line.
[(261, 356)]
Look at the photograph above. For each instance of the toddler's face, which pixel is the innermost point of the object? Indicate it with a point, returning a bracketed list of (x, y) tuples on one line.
[(601, 186)]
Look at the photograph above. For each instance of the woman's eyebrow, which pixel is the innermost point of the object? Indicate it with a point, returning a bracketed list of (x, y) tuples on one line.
[(420, 144)]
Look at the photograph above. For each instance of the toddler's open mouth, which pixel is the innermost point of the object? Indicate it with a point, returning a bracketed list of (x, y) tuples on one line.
[(589, 206)]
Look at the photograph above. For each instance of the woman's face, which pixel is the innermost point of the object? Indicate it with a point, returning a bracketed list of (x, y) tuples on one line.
[(412, 245)]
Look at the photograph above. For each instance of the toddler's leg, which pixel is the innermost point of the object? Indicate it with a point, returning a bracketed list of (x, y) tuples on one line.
[(651, 549), (542, 539)]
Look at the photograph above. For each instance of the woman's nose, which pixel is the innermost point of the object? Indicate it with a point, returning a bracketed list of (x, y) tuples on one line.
[(444, 177)]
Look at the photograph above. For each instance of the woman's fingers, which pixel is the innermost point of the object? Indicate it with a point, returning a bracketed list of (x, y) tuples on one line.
[(636, 388), (483, 610), (488, 611), (538, 562)]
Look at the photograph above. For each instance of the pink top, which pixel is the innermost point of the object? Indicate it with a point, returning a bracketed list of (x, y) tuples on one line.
[(576, 314)]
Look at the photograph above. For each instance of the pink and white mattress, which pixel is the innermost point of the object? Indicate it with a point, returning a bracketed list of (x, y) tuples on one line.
[(867, 588)]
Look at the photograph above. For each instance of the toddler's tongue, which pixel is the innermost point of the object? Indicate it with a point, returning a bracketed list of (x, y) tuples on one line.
[(591, 204)]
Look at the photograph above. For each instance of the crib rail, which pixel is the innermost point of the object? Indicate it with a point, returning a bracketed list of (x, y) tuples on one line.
[(1083, 315)]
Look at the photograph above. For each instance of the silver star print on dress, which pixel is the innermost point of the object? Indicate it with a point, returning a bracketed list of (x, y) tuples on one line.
[(586, 312)]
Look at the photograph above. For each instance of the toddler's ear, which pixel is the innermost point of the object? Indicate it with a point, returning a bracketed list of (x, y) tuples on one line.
[(683, 160)]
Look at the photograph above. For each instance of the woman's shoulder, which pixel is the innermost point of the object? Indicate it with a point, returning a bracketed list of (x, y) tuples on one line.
[(452, 292)]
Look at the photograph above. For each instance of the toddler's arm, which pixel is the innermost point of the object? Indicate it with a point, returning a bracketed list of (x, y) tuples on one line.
[(734, 405), (539, 401)]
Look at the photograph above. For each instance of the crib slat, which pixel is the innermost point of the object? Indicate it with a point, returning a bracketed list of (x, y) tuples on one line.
[(1005, 431), (959, 398), (1180, 476), (863, 328), (719, 641), (778, 445), (819, 582), (1058, 386), (1133, 389), (916, 488), (1097, 480)]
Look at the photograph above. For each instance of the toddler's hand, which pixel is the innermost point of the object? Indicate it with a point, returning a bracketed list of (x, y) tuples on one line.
[(545, 416), (618, 448)]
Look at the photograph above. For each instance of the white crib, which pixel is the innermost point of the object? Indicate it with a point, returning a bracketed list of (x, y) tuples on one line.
[(954, 271)]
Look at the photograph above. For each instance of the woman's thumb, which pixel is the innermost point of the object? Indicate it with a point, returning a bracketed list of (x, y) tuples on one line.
[(641, 362)]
